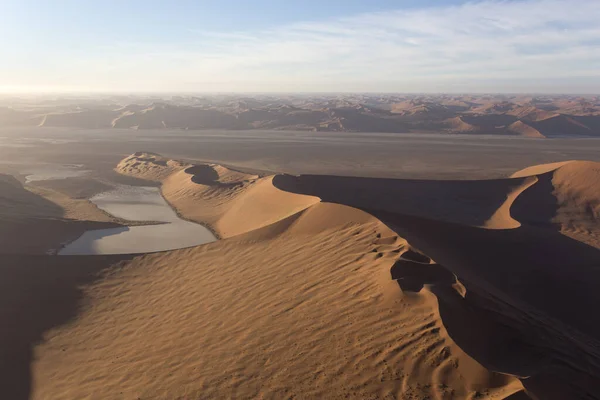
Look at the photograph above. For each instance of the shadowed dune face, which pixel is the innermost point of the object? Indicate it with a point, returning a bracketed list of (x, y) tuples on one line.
[(30, 223), (566, 198), (538, 205), (534, 285), (466, 202), (216, 175), (202, 174), (16, 201), (412, 276)]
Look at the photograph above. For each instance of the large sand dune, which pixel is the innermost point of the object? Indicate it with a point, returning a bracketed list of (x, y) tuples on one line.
[(324, 287), (229, 202)]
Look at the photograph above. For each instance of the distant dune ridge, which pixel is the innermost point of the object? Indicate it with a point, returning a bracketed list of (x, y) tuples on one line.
[(322, 287), (514, 115)]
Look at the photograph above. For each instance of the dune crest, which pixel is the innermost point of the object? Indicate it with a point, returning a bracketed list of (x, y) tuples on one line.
[(523, 129), (566, 197), (538, 169), (502, 218), (229, 202)]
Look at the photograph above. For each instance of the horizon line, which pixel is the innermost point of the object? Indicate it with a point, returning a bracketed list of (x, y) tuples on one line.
[(213, 93)]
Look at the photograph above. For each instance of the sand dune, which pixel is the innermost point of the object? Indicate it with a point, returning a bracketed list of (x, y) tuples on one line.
[(523, 129), (149, 166), (227, 201), (302, 308), (567, 198), (504, 206), (516, 260), (324, 287), (457, 124)]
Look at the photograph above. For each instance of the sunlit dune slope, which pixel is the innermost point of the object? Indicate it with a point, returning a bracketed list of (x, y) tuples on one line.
[(304, 308), (230, 202)]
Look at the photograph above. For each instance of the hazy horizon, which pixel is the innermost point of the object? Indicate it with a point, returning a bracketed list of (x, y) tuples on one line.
[(166, 94), (449, 46)]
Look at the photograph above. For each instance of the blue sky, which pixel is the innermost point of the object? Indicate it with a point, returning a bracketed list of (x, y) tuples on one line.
[(305, 46)]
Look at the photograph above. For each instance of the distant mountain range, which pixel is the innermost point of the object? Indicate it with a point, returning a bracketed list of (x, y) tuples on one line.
[(531, 116)]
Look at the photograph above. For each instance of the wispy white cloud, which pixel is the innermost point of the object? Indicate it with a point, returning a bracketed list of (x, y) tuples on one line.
[(428, 49)]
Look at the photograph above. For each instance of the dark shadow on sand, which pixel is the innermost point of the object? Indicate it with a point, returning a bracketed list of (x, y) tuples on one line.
[(38, 293), (537, 205), (467, 202), (203, 174), (526, 311), (85, 243), (412, 276)]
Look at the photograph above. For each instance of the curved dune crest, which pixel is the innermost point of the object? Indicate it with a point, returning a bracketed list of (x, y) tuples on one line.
[(567, 197), (260, 205), (483, 203), (538, 169), (229, 202), (502, 218), (232, 208)]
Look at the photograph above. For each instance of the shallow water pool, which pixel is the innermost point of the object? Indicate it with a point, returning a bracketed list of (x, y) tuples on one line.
[(138, 204)]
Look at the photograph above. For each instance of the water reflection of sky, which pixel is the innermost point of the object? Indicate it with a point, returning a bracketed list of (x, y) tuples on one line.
[(138, 204)]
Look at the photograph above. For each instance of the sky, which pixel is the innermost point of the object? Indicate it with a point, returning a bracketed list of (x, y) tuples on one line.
[(402, 46)]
